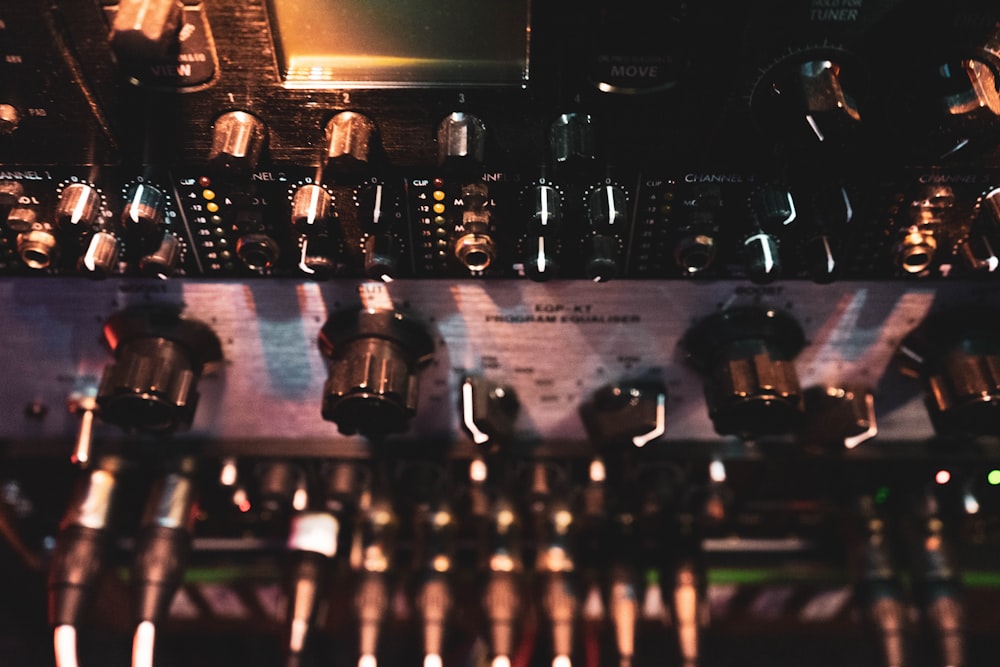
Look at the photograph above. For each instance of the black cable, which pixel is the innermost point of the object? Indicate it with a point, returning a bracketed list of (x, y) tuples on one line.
[(79, 557), (161, 552)]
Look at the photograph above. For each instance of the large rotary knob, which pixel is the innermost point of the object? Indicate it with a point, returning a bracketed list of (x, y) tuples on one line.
[(159, 357), (351, 142), (374, 357), (747, 357), (461, 139), (807, 100), (238, 140), (144, 30), (957, 355)]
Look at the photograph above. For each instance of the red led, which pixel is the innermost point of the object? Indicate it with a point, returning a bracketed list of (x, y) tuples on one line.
[(942, 476), (438, 182), (204, 181)]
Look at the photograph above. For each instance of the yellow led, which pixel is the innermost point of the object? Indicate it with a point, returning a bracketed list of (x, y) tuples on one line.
[(438, 195), (208, 194), (212, 207), (439, 220), (439, 208)]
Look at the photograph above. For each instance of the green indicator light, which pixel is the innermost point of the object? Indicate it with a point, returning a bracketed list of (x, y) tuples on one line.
[(993, 477), (882, 495)]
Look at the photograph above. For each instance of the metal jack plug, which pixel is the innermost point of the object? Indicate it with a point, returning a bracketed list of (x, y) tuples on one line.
[(312, 541), (434, 600), (502, 599), (371, 553), (161, 553)]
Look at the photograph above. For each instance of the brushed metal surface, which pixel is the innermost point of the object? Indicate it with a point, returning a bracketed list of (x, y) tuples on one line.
[(554, 344)]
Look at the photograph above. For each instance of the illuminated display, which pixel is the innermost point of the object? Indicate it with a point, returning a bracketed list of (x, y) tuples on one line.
[(401, 43)]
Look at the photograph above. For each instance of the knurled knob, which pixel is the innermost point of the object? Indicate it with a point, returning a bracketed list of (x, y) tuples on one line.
[(152, 384), (957, 354), (373, 359), (746, 355)]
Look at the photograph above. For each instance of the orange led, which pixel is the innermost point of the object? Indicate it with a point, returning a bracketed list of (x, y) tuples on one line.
[(439, 208), (208, 194), (438, 195), (212, 207)]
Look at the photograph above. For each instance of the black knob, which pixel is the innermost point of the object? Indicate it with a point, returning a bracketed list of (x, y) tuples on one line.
[(143, 216), (602, 262), (980, 250), (607, 209), (746, 355), (541, 246), (957, 354), (539, 254), (382, 253), (762, 257), (378, 213), (78, 207), (163, 261), (489, 410), (159, 357), (627, 412), (373, 357), (572, 140), (807, 101), (773, 208), (819, 255)]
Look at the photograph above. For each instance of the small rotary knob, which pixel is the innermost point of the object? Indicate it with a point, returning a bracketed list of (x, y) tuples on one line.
[(746, 355), (312, 208), (762, 257), (378, 213), (351, 140), (489, 410), (957, 355), (237, 143), (159, 357), (78, 207), (144, 215), (628, 412), (164, 260), (382, 253), (373, 357), (312, 212), (101, 256), (541, 246), (773, 208), (607, 209)]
